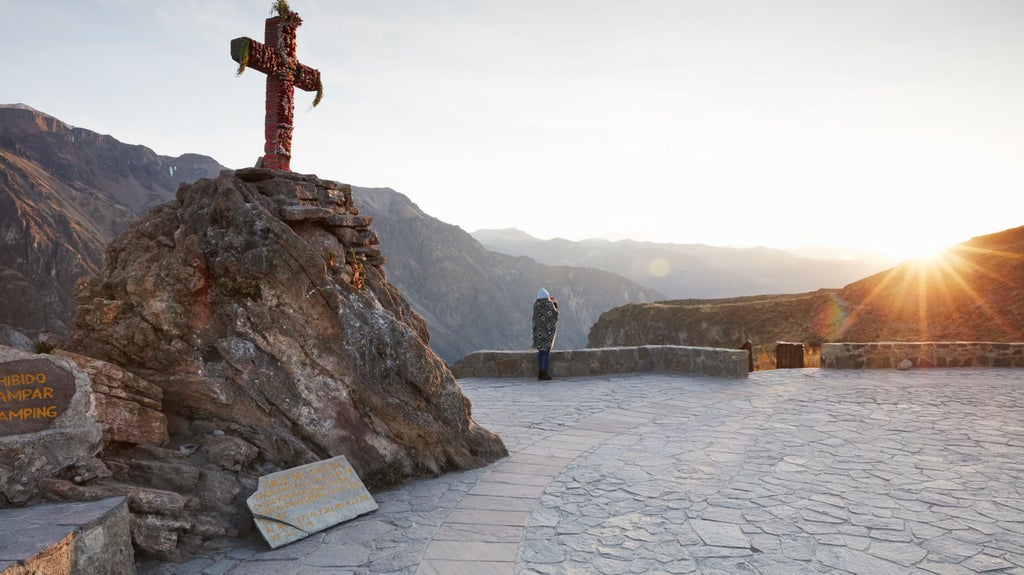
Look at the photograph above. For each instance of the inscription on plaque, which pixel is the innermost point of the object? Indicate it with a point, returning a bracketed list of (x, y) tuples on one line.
[(295, 503), (33, 393)]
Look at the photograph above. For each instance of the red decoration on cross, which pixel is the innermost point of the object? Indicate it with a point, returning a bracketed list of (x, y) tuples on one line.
[(284, 73)]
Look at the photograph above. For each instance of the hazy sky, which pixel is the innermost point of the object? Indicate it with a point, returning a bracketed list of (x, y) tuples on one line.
[(860, 124)]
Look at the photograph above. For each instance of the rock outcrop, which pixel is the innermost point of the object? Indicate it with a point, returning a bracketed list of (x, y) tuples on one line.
[(257, 304)]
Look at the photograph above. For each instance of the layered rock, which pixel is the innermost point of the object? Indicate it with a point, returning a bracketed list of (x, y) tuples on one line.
[(257, 303)]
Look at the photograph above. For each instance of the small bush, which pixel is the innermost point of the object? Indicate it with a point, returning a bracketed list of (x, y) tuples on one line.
[(42, 347), (384, 478)]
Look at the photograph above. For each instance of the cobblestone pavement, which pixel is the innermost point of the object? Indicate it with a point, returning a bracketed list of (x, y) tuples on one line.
[(790, 472)]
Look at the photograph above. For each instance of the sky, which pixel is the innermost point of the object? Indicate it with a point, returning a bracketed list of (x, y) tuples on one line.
[(885, 126)]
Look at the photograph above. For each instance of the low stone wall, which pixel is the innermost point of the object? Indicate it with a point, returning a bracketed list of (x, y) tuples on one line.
[(90, 538), (607, 360), (889, 355)]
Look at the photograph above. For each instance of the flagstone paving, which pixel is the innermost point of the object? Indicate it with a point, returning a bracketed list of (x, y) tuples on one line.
[(788, 472)]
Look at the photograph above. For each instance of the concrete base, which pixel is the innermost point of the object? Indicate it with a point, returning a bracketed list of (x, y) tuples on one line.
[(90, 538), (608, 360)]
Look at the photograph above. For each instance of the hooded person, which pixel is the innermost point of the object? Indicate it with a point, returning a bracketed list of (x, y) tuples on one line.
[(545, 318)]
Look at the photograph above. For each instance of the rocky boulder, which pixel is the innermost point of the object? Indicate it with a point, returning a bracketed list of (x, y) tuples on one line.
[(257, 303)]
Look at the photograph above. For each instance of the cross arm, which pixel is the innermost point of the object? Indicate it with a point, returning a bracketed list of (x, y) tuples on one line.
[(250, 53), (307, 78)]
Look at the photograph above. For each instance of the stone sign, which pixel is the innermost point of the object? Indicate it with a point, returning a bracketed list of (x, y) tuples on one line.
[(295, 503), (33, 393)]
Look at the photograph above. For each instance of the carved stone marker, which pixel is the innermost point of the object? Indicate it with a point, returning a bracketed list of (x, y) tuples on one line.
[(33, 393), (295, 503)]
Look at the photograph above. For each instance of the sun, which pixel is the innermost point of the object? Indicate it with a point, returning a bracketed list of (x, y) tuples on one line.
[(920, 249)]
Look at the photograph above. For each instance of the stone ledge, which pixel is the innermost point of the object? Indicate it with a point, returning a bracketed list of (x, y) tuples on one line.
[(91, 538), (607, 360), (889, 354)]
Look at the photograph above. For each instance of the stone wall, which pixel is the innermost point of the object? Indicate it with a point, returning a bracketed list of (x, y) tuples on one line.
[(607, 360), (889, 355), (89, 538)]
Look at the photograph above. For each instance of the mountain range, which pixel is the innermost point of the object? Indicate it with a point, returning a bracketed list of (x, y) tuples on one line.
[(65, 192), (688, 270)]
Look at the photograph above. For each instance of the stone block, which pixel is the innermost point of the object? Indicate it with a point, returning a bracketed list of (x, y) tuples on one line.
[(73, 538), (292, 504)]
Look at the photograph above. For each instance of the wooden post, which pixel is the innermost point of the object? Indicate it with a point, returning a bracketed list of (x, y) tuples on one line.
[(750, 355), (789, 355)]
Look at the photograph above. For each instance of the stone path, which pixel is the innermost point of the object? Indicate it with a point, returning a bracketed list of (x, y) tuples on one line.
[(790, 472)]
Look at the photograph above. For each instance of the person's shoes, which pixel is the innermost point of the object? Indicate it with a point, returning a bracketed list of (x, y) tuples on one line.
[(544, 376), (540, 375)]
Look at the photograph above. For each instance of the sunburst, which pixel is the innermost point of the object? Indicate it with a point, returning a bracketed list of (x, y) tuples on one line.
[(938, 284)]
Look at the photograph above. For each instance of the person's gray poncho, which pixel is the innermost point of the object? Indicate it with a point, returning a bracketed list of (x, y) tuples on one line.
[(545, 317)]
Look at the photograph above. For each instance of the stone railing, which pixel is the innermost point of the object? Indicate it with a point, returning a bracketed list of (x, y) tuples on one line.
[(890, 355), (607, 360)]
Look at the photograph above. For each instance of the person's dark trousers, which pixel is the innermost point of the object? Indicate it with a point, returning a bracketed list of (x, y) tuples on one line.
[(543, 364)]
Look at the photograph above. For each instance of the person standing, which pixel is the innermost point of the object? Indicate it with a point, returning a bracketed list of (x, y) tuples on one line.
[(545, 318)]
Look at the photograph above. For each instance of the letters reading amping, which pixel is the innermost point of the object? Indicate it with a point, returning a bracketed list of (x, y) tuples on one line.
[(48, 412)]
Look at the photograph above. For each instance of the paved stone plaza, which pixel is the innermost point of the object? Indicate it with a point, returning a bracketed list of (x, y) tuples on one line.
[(789, 472)]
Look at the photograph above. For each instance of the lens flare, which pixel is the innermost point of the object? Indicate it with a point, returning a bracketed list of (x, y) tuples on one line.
[(829, 320), (659, 267)]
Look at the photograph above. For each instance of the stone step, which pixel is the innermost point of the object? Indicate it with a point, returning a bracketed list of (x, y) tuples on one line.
[(90, 538)]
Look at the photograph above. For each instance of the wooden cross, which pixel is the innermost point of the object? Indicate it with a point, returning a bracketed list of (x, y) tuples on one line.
[(276, 58)]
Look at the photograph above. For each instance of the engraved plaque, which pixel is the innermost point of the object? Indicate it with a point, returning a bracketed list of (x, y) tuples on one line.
[(295, 503)]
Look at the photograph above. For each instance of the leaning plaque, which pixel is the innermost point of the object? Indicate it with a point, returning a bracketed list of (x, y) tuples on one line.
[(295, 503), (33, 393)]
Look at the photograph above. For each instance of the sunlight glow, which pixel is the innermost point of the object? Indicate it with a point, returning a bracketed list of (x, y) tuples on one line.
[(935, 294), (923, 249)]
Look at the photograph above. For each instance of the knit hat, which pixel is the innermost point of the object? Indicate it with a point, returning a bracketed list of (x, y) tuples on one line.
[(542, 293)]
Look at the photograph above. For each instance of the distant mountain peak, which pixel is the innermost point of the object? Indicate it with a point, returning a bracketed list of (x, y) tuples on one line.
[(20, 106), (503, 234)]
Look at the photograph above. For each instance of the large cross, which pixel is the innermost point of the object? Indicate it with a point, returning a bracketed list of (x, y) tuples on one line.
[(284, 73)]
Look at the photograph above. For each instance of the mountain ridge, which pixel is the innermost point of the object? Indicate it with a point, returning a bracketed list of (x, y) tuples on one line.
[(65, 193), (686, 270)]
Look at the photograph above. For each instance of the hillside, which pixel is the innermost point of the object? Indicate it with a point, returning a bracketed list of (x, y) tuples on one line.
[(473, 298), (973, 291), (688, 270), (65, 192)]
